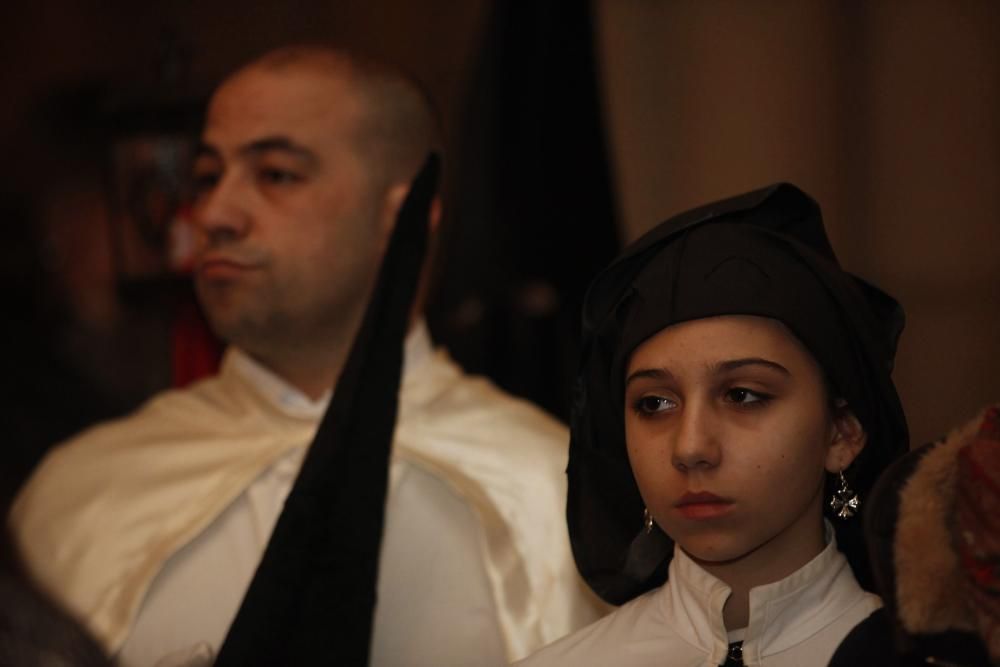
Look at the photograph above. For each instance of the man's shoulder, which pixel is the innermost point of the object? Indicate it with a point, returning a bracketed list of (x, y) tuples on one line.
[(170, 410), (477, 411), (478, 398), (91, 459)]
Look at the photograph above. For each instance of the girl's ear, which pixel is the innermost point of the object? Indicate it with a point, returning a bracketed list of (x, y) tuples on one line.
[(847, 437)]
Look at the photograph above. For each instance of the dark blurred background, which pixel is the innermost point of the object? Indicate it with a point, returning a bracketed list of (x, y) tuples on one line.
[(570, 130)]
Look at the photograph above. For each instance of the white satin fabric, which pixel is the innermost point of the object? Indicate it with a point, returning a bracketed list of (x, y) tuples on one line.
[(796, 622), (108, 510)]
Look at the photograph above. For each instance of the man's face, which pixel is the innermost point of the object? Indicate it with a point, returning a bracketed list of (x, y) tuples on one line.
[(289, 214)]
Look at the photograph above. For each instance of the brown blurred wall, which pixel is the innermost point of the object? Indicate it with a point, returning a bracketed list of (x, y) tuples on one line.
[(888, 113), (56, 44)]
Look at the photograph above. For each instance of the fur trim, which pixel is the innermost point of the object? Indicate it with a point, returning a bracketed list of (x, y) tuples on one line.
[(929, 579)]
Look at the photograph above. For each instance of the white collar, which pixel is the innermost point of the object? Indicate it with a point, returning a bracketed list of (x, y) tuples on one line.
[(418, 350), (782, 614)]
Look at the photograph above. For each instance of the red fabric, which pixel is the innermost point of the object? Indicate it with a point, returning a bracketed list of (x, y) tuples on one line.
[(195, 350)]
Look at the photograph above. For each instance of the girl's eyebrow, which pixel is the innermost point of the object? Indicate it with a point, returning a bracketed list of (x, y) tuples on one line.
[(718, 368), (652, 373), (733, 364)]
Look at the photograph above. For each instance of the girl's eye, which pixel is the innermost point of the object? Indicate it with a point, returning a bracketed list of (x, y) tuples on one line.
[(748, 397), (649, 405)]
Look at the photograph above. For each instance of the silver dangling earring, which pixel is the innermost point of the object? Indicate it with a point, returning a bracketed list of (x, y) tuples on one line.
[(647, 521), (844, 502)]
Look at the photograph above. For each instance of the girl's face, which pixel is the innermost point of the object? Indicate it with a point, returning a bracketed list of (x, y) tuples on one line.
[(729, 432)]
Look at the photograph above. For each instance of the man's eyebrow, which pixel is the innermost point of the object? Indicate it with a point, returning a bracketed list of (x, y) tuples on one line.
[(651, 373), (281, 144), (205, 150), (733, 364)]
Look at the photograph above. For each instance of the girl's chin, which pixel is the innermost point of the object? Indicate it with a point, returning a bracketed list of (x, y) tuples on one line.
[(715, 553)]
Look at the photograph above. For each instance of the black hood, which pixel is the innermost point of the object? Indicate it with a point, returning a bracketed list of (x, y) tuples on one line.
[(764, 253)]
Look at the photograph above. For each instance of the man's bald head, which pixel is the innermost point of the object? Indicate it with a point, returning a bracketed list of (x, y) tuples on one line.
[(398, 125), (306, 156)]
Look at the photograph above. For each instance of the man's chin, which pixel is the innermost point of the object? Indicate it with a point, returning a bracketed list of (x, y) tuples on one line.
[(227, 323)]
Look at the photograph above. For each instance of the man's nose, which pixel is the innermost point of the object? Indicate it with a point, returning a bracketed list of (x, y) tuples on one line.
[(696, 441), (220, 210)]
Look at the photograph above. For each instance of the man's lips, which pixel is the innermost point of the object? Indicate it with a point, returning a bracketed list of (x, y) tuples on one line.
[(703, 505), (221, 267)]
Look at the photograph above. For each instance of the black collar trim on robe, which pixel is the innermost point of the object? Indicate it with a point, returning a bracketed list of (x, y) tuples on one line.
[(312, 599)]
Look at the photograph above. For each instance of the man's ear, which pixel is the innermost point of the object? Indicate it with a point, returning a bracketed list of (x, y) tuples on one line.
[(394, 198), (847, 437), (393, 201)]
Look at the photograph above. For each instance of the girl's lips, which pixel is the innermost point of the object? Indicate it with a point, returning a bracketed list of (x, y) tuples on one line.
[(691, 498), (703, 505), (699, 511)]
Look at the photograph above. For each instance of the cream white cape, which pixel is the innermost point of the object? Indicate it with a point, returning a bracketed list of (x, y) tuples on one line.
[(106, 510)]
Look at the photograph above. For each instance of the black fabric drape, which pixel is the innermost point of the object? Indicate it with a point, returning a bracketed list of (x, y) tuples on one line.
[(533, 203), (312, 599)]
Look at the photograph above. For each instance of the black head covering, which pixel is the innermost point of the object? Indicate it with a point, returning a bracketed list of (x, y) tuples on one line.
[(764, 253)]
